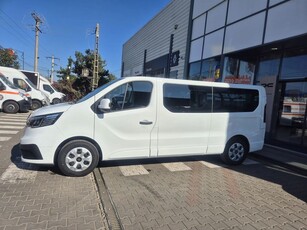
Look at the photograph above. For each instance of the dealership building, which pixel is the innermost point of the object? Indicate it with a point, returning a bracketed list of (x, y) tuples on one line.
[(261, 42)]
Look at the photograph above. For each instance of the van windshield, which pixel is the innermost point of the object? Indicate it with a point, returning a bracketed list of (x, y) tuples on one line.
[(6, 81), (91, 94), (30, 83)]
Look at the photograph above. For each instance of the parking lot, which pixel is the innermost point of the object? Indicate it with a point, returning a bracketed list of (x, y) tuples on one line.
[(202, 193)]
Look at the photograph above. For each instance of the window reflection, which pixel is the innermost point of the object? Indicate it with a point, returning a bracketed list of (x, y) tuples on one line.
[(294, 64), (292, 115), (238, 71)]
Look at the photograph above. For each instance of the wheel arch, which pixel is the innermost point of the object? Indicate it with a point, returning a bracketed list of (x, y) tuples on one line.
[(77, 138)]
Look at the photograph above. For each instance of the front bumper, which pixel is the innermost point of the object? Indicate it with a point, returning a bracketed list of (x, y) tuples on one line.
[(24, 105)]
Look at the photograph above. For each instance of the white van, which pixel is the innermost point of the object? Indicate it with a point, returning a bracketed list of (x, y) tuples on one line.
[(144, 117), (12, 100), (44, 85), (21, 81)]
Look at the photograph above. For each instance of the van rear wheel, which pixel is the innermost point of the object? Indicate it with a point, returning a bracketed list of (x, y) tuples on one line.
[(10, 107), (77, 158), (235, 151)]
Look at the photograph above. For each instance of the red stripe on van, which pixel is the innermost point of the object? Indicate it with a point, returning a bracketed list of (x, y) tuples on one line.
[(8, 92)]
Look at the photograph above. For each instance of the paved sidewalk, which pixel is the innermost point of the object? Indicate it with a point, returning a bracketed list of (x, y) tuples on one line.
[(44, 200)]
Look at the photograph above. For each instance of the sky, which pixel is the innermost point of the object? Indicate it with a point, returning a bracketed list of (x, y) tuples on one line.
[(69, 26)]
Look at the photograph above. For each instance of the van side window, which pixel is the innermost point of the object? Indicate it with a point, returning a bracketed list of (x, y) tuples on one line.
[(179, 98), (20, 83), (234, 100), (131, 95), (48, 88)]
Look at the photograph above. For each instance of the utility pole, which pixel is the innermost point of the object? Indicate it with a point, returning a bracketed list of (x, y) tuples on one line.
[(95, 71), (52, 67), (37, 29)]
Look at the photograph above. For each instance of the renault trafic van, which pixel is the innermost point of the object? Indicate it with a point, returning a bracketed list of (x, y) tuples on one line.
[(21, 81), (12, 100), (145, 117)]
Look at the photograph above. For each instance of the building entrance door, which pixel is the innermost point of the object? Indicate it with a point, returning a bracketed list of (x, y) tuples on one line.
[(291, 123)]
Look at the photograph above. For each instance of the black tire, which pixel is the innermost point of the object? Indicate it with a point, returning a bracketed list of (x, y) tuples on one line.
[(77, 158), (235, 151), (56, 101), (36, 104), (10, 107)]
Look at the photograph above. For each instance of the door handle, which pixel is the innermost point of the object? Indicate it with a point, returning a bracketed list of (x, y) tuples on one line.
[(145, 122)]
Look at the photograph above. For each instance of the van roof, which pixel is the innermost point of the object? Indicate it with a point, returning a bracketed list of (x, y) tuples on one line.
[(11, 72)]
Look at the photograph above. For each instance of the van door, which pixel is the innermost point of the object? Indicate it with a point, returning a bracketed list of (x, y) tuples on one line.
[(184, 119), (125, 131)]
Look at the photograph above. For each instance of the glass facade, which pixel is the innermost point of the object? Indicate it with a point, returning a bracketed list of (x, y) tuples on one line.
[(249, 42)]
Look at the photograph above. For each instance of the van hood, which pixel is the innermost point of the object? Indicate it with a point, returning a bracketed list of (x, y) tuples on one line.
[(57, 108)]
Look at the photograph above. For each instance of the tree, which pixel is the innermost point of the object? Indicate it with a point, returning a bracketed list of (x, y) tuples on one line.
[(9, 58), (78, 73), (65, 73)]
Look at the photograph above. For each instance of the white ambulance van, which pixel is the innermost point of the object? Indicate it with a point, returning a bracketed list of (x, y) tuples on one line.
[(146, 117), (44, 85), (21, 81), (12, 100)]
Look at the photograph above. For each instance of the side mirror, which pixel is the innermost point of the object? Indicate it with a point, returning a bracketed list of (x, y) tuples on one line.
[(104, 105)]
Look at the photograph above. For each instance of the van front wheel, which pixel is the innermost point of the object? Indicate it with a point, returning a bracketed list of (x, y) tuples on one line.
[(10, 107), (235, 151), (77, 158), (36, 104)]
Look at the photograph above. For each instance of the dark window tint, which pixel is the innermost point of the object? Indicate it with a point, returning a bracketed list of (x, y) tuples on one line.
[(186, 98), (234, 100), (131, 95), (48, 88)]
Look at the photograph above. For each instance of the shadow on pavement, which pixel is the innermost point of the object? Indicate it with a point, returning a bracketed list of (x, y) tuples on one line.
[(290, 181), (16, 159)]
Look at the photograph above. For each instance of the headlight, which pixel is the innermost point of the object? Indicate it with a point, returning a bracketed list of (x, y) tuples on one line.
[(23, 96), (43, 120)]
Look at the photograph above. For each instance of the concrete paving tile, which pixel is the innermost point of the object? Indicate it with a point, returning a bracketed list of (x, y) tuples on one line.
[(33, 207), (56, 223), (136, 226), (177, 226), (289, 226), (69, 227), (14, 227), (87, 226), (166, 227), (47, 218), (150, 224), (191, 223), (13, 208), (20, 214), (164, 221), (75, 221), (26, 220), (33, 226), (84, 213)]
